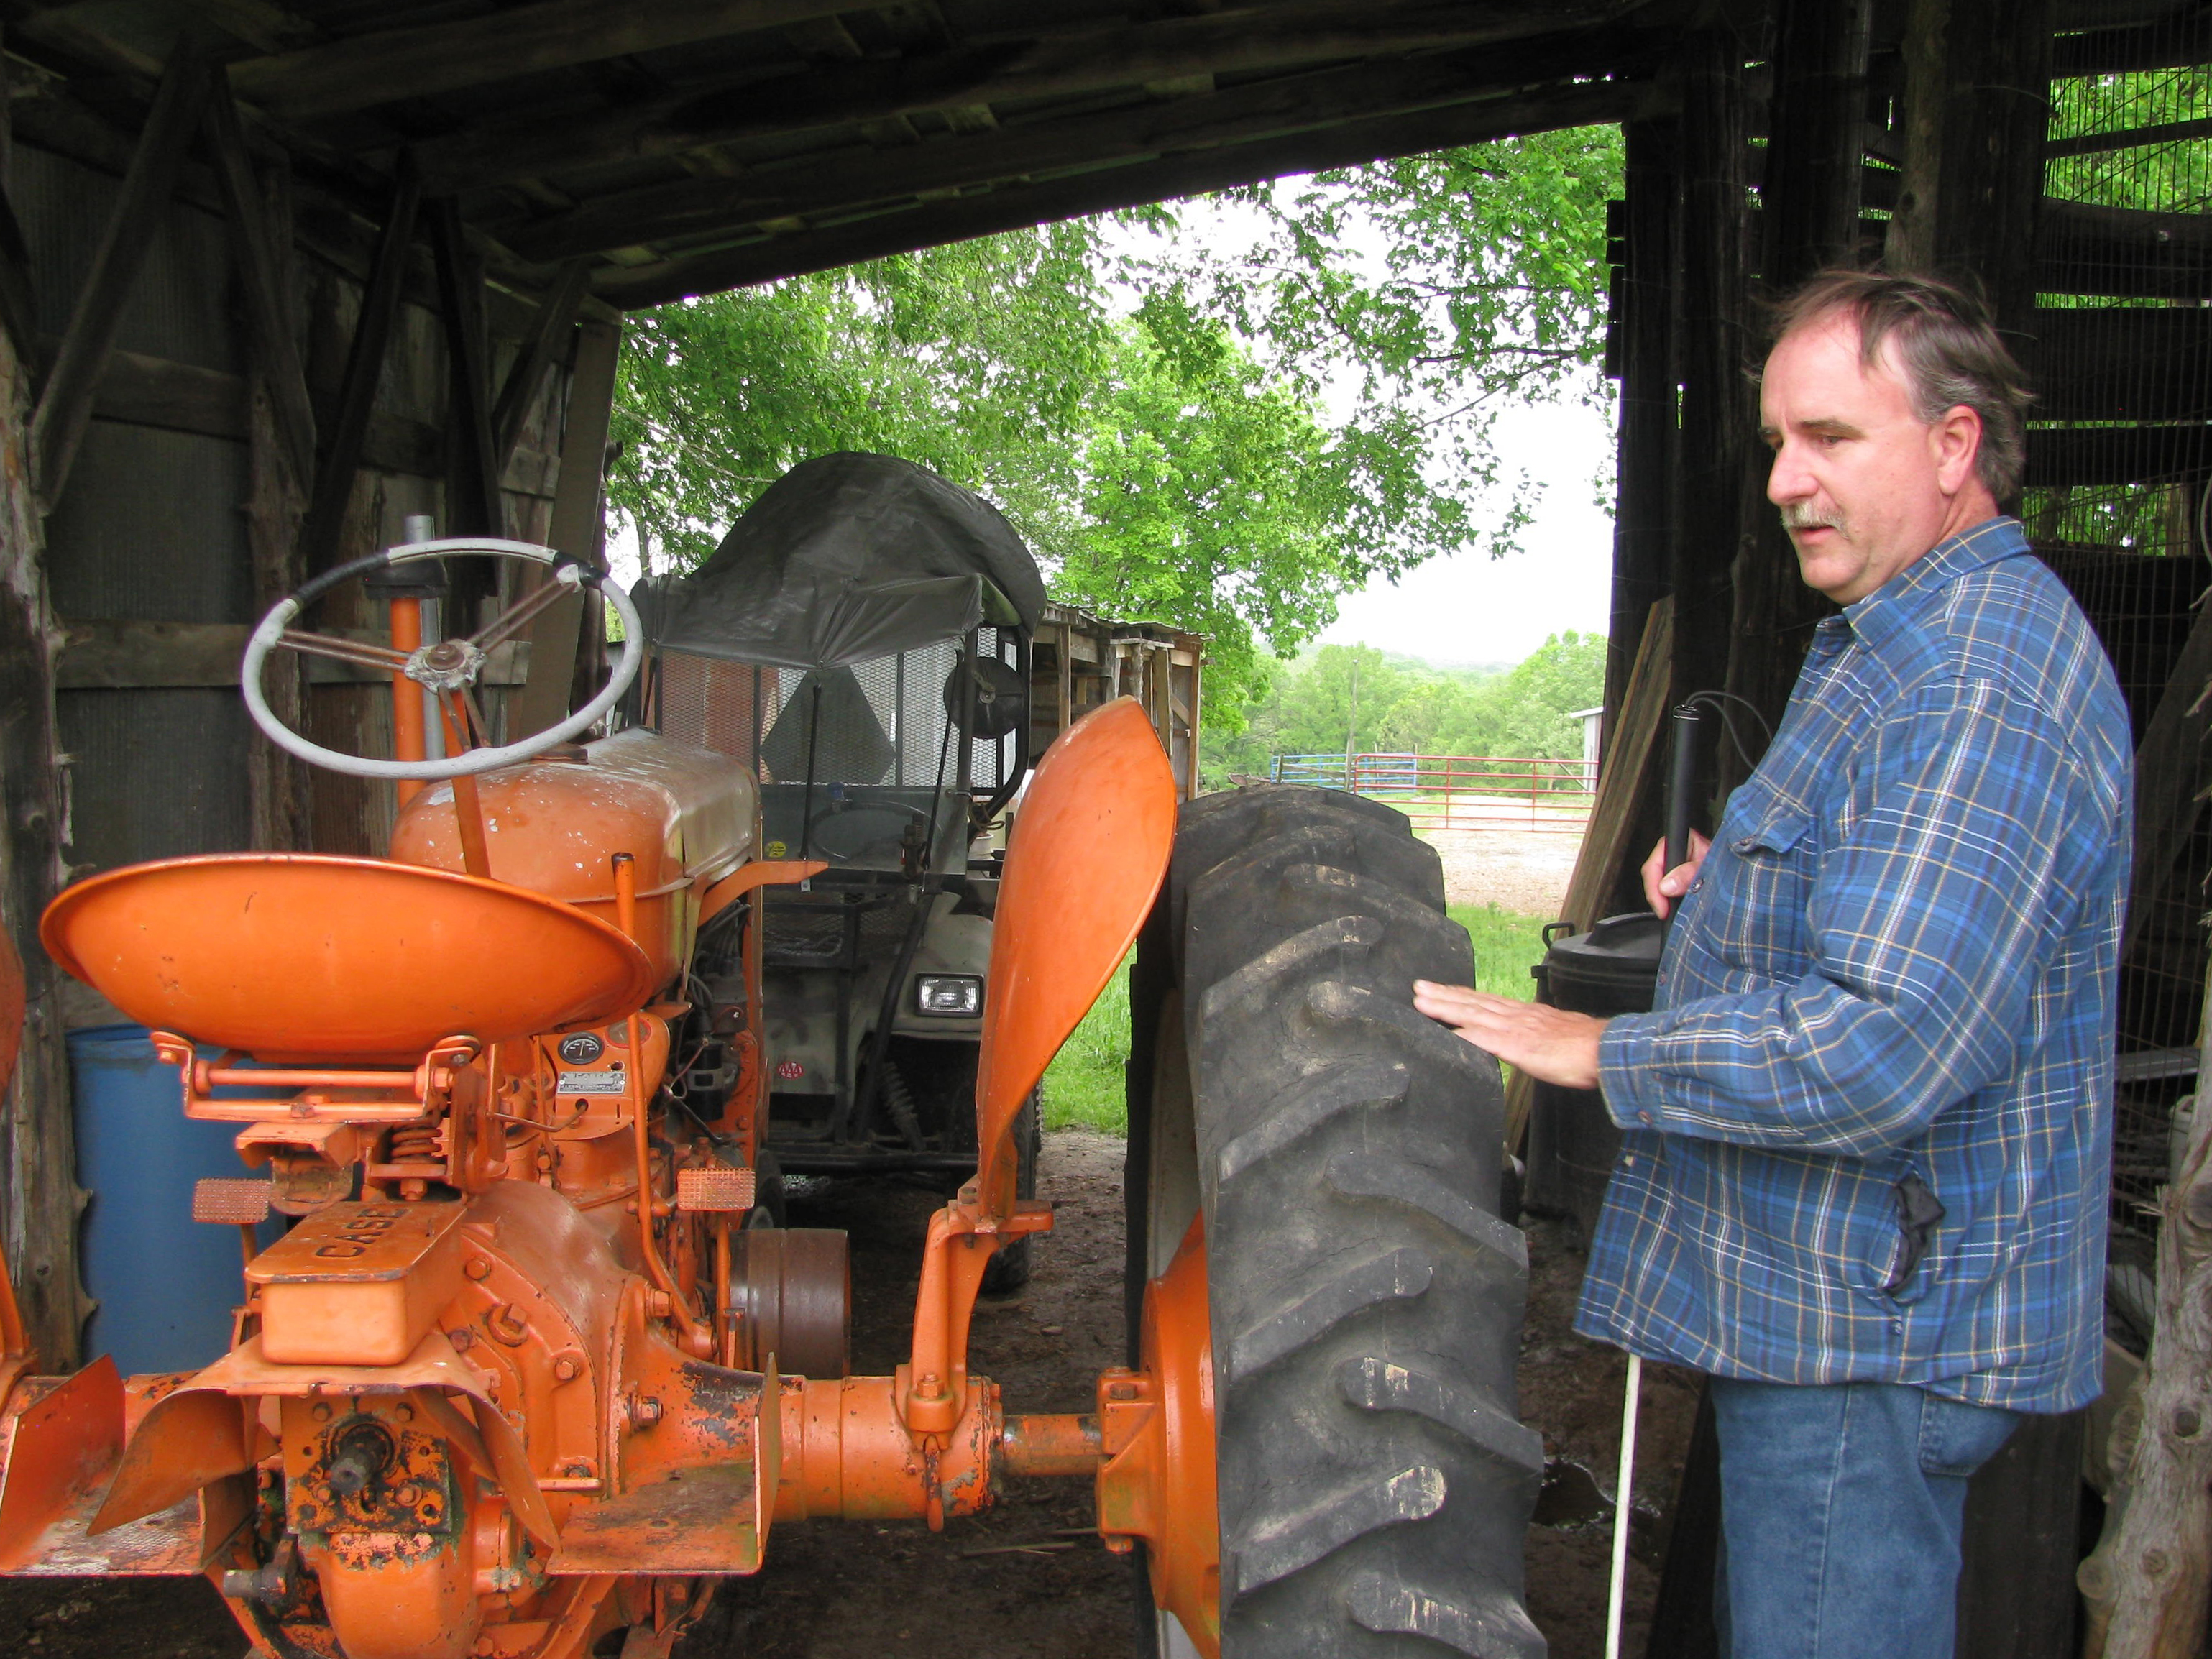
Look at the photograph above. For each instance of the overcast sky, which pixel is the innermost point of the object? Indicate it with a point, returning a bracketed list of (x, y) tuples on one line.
[(1470, 608)]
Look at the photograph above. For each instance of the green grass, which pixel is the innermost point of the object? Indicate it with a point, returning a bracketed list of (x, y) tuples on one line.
[(1506, 945), (1082, 1085), (1082, 1088)]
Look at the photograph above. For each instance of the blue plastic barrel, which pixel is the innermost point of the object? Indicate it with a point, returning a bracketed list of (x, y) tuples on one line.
[(166, 1283)]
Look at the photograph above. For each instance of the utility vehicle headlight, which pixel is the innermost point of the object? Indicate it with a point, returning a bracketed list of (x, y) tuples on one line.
[(949, 996)]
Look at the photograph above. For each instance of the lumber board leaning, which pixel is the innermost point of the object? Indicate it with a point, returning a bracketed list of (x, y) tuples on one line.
[(1629, 752), (575, 530), (64, 407), (550, 331), (1630, 747)]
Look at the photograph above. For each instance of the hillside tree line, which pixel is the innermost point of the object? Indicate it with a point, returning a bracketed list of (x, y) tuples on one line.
[(1378, 703)]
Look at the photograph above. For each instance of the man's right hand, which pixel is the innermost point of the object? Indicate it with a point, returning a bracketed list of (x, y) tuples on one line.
[(1661, 886)]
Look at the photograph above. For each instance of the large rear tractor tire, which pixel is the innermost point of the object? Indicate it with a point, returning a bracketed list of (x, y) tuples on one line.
[(1008, 1269), (1366, 1297)]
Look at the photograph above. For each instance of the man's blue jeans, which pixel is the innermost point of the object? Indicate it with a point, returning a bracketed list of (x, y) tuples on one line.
[(1841, 1507)]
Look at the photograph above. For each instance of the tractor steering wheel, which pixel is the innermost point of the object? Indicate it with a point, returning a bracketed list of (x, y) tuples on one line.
[(821, 837), (449, 666)]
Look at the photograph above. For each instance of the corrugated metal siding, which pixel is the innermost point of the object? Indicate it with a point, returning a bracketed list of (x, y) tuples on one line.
[(151, 527), (180, 306), (155, 774)]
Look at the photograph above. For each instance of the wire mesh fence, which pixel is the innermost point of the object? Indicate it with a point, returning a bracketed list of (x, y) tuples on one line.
[(2119, 449), (1529, 793)]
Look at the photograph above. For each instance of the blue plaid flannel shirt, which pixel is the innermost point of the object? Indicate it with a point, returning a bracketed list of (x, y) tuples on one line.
[(1897, 961)]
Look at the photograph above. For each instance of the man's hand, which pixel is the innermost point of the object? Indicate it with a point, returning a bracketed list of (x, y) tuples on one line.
[(1550, 1044), (1662, 885)]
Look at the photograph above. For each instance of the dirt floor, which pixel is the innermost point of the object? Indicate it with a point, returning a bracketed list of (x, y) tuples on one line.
[(1514, 869), (1026, 1580)]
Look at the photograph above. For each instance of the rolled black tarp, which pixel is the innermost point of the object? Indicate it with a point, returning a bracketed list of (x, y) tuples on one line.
[(847, 558)]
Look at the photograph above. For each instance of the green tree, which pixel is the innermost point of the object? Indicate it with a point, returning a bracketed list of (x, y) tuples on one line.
[(1408, 708), (975, 360), (1211, 497), (1440, 289), (1196, 462), (1524, 711)]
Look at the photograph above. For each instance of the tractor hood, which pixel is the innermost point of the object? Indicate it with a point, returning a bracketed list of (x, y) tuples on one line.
[(844, 558)]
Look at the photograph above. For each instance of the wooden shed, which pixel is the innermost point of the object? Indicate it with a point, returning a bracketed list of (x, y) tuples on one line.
[(277, 274)]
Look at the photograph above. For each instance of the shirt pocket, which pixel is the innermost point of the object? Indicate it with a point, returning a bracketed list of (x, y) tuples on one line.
[(1756, 918)]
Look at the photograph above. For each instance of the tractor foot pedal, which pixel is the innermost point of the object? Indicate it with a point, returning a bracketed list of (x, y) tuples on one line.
[(716, 1188), (240, 1200), (696, 1521)]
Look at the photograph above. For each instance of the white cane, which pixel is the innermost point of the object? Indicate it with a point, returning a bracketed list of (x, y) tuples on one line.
[(1623, 1501)]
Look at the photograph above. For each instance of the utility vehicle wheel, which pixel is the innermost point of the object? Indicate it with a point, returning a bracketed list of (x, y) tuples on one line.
[(1365, 1298), (1008, 1269)]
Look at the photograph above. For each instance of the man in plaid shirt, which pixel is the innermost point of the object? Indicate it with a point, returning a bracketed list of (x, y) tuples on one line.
[(1868, 1127)]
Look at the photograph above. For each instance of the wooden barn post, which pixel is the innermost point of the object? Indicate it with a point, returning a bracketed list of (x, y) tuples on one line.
[(1810, 200), (1977, 109), (1718, 403), (1643, 516), (39, 1199)]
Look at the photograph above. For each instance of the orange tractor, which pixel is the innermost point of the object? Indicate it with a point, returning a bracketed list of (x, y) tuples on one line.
[(524, 1377)]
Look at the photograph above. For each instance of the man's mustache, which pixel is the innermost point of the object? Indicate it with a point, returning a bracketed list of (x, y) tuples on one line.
[(1797, 515)]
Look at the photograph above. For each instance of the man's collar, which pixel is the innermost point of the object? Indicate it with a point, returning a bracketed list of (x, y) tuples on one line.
[(1895, 605)]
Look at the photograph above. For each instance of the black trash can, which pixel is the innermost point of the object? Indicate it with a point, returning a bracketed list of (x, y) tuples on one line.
[(1613, 969)]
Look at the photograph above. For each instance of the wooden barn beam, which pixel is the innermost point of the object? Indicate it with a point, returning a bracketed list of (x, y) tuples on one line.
[(2126, 363), (261, 24), (2184, 38), (371, 336), (383, 67), (65, 404), (1716, 418), (1809, 196), (2080, 248), (39, 1199), (1976, 111), (2060, 456), (1249, 40), (1129, 186), (548, 334), (260, 252), (19, 310), (1236, 115), (1644, 512), (473, 503)]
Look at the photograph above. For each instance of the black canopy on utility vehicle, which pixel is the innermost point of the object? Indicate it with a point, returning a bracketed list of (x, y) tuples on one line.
[(848, 557)]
